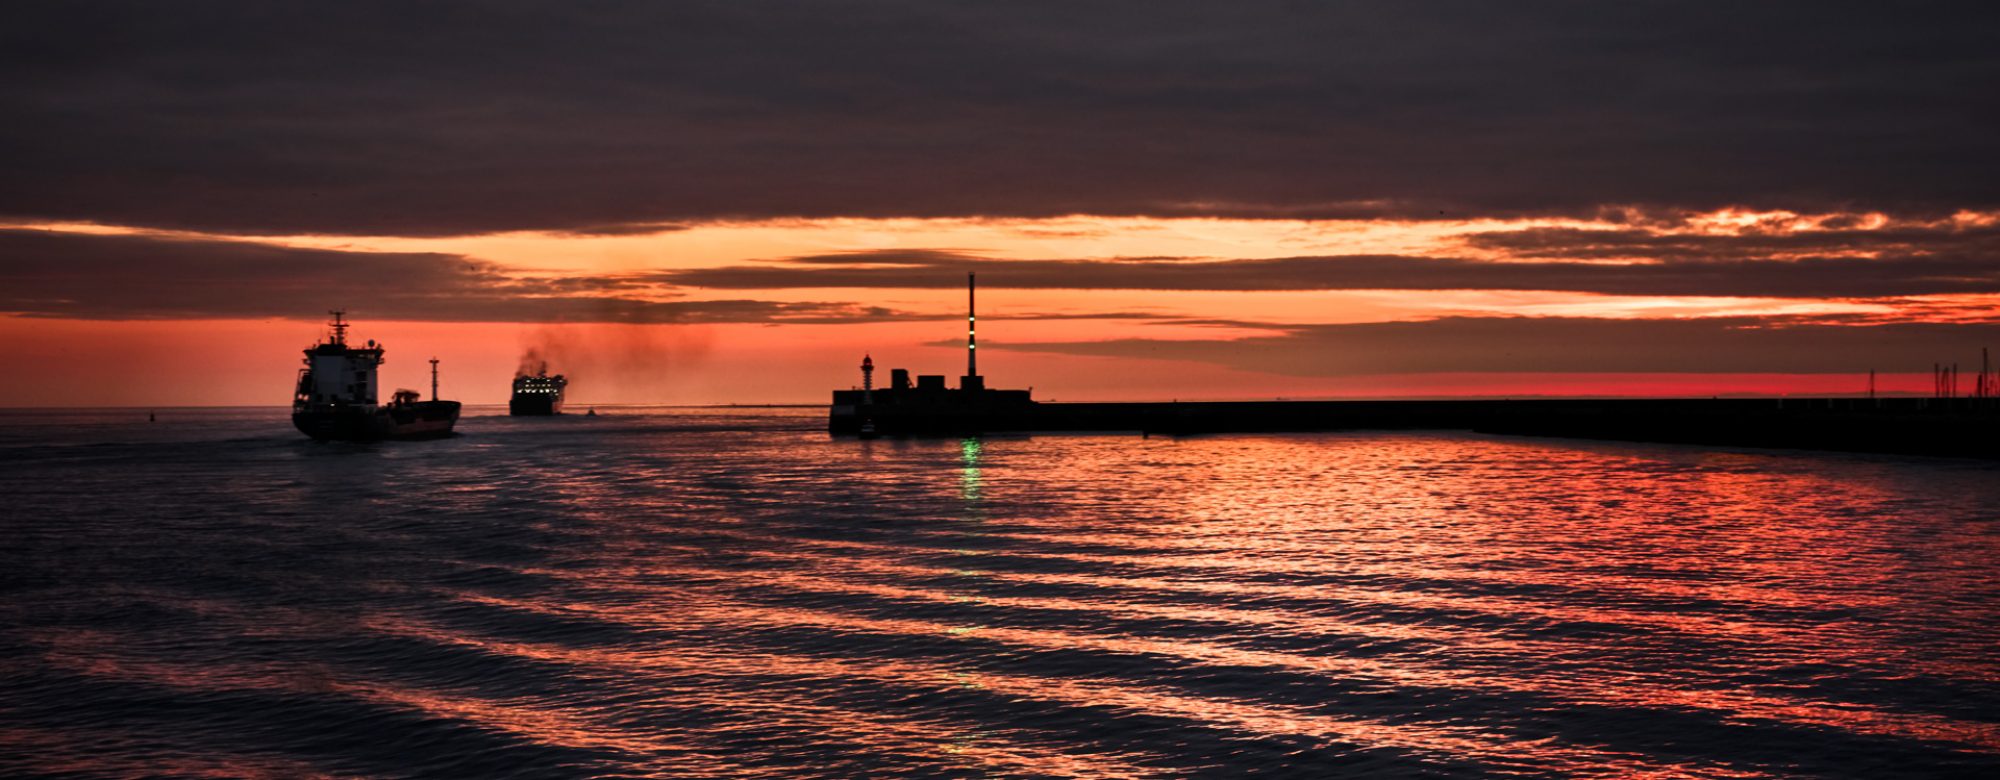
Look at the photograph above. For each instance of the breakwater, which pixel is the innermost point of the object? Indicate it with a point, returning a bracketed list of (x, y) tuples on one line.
[(1956, 427)]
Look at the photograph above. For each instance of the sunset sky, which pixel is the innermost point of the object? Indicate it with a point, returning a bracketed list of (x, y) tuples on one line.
[(734, 201)]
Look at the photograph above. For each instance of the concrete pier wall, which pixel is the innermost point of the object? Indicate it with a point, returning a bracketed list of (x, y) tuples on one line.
[(1961, 427)]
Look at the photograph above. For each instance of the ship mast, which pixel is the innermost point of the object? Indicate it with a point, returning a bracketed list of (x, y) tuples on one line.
[(434, 379), (339, 327)]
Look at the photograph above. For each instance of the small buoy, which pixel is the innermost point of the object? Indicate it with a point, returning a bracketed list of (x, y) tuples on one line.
[(150, 418)]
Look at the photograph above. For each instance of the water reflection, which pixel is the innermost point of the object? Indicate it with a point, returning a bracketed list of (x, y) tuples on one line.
[(969, 481), (676, 598), (967, 675)]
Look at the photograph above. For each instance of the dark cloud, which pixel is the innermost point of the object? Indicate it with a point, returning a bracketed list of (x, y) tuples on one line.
[(141, 277), (124, 277), (440, 118), (910, 258), (1564, 345), (1965, 270), (1971, 243), (627, 229)]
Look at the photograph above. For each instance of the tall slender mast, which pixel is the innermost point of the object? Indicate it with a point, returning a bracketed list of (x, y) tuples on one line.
[(339, 327), (434, 379), (971, 326), (1985, 374)]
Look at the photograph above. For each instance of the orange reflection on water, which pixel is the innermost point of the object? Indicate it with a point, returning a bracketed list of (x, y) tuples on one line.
[(671, 666), (1205, 575), (1250, 718), (1402, 669), (698, 602), (1717, 553)]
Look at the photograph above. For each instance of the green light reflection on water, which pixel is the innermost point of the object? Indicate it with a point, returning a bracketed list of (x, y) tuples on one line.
[(969, 486), (969, 481)]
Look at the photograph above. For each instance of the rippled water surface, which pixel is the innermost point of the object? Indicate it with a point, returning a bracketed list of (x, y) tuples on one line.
[(700, 593)]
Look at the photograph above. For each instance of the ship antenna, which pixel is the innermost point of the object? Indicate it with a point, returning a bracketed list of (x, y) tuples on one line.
[(971, 326), (339, 327), (434, 379)]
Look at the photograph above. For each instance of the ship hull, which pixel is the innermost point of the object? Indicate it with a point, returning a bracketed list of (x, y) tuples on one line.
[(534, 406), (422, 420)]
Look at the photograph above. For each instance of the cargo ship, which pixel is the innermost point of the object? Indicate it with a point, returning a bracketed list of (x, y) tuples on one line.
[(336, 396), (537, 395)]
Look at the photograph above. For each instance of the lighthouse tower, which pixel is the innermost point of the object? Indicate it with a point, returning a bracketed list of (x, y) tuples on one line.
[(972, 381)]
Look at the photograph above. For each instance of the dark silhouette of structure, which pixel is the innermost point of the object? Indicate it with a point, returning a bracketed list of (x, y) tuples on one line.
[(1944, 424), (336, 392), (540, 395), (929, 407)]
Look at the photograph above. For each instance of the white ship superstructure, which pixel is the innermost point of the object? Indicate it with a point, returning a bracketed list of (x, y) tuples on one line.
[(335, 397), (337, 374)]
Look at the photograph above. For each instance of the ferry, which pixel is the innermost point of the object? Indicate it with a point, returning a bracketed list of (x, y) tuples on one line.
[(537, 395)]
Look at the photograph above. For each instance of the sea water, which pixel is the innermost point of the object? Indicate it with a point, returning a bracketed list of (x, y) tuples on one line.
[(733, 593)]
